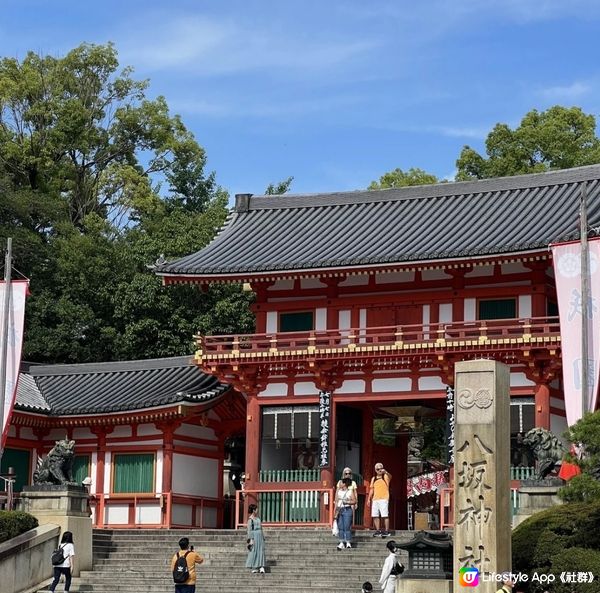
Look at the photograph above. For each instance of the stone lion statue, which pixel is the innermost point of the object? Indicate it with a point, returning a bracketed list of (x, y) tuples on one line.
[(547, 450), (57, 467)]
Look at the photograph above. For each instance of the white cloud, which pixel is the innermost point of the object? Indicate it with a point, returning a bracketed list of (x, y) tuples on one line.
[(206, 47), (570, 92)]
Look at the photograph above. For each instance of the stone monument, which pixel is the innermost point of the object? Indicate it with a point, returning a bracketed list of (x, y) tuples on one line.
[(54, 498), (482, 516)]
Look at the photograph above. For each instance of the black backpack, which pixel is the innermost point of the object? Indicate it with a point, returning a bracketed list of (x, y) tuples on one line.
[(58, 556), (181, 572)]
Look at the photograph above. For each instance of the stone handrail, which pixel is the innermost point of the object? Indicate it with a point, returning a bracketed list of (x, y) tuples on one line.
[(25, 559)]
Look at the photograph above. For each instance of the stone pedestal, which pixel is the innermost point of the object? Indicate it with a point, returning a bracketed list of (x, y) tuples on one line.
[(535, 496), (67, 507)]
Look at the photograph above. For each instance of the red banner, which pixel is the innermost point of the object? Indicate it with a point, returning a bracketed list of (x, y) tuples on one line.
[(12, 349)]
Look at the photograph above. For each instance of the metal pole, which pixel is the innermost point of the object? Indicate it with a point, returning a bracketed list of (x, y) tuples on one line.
[(4, 336), (585, 301)]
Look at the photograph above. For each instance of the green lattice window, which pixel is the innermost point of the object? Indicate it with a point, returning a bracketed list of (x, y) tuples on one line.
[(133, 473), (296, 322), (81, 468), (498, 309), (19, 460)]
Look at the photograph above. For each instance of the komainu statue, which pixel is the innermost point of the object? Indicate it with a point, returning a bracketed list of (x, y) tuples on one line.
[(547, 450), (57, 467)]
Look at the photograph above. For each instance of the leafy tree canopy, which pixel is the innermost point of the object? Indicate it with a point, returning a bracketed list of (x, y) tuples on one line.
[(558, 138), (100, 181), (400, 178), (276, 189)]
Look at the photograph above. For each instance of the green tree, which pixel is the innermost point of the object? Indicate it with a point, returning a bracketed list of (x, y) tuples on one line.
[(400, 178), (558, 138), (100, 181), (277, 189), (586, 486)]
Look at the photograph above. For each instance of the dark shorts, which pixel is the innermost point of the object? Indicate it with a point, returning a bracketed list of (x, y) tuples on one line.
[(185, 588)]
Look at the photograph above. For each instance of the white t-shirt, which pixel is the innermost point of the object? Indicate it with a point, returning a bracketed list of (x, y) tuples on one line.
[(68, 551)]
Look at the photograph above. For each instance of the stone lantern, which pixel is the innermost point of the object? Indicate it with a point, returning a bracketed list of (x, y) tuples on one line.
[(429, 556)]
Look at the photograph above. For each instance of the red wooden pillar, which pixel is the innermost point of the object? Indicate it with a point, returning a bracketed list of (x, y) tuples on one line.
[(252, 441), (100, 432), (367, 461), (168, 430), (542, 406)]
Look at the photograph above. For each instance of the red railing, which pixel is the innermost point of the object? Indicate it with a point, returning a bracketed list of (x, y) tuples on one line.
[(502, 332)]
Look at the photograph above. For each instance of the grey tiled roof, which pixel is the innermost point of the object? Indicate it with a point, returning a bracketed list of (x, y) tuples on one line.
[(106, 387), (412, 224)]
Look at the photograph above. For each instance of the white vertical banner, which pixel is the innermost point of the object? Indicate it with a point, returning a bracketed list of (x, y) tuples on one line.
[(567, 272), (12, 349)]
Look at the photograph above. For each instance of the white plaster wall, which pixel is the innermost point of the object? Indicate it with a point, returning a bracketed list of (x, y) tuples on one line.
[(271, 322), (148, 513), (12, 431), (321, 319), (120, 431), (435, 275), (305, 388), (117, 514), (286, 284), (159, 471), (344, 321), (470, 312), (93, 470), (426, 318), (195, 476), (391, 384), (107, 471), (355, 280), (480, 271), (558, 425), (182, 514), (362, 323), (557, 403), (430, 383), (312, 283), (445, 313), (514, 268), (206, 517), (524, 309), (394, 277), (27, 433), (520, 380), (274, 390), (56, 434), (352, 386), (82, 433), (147, 429), (199, 432)]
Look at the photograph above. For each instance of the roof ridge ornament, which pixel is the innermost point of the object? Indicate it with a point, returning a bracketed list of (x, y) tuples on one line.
[(242, 202)]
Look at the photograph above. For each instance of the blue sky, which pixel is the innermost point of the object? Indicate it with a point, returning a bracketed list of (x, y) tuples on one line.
[(334, 92)]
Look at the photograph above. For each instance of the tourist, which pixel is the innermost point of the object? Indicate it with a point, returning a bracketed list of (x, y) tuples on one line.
[(347, 473), (66, 566), (345, 500), (367, 587), (186, 552), (379, 499), (256, 541), (507, 583), (391, 569)]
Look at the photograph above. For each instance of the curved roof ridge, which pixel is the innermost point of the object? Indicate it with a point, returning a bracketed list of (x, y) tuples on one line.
[(109, 367), (436, 190)]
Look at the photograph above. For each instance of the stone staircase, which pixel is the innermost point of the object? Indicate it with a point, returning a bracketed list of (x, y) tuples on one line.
[(298, 560)]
